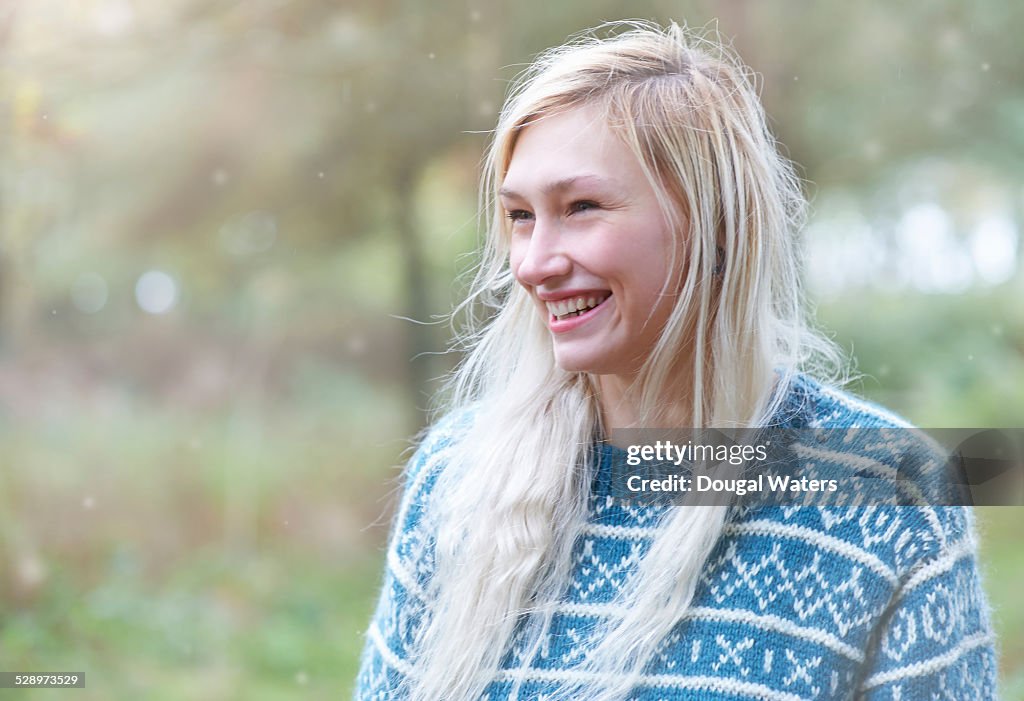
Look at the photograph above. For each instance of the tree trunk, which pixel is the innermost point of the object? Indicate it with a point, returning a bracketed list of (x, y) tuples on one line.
[(417, 307)]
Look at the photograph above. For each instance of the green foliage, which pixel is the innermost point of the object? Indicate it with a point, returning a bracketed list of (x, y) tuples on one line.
[(941, 360)]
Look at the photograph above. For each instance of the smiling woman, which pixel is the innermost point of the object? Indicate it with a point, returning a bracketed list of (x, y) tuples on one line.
[(640, 270)]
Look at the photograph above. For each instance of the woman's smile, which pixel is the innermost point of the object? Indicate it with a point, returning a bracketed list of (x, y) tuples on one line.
[(577, 311)]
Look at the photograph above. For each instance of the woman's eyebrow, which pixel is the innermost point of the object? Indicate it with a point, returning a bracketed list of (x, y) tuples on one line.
[(562, 185)]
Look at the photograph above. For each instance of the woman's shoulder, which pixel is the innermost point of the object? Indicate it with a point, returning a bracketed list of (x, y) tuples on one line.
[(431, 452), (813, 403), (439, 436), (841, 431)]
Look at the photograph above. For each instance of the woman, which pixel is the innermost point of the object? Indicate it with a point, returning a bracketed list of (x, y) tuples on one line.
[(640, 269)]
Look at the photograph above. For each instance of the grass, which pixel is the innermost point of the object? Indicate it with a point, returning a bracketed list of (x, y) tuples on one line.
[(267, 625)]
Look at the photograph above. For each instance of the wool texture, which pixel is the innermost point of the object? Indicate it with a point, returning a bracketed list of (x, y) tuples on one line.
[(874, 603)]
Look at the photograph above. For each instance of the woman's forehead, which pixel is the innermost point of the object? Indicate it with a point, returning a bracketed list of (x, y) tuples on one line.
[(572, 148)]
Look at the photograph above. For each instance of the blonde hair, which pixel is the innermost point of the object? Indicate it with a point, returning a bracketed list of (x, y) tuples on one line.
[(512, 497)]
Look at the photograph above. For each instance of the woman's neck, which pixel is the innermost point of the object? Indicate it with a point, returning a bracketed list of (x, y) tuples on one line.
[(619, 406)]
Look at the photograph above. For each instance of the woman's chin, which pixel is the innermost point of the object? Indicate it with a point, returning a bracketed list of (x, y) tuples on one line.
[(597, 364), (572, 362)]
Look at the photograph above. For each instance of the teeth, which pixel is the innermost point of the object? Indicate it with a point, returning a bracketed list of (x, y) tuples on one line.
[(572, 305)]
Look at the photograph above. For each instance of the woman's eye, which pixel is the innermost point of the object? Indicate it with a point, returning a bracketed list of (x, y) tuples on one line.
[(518, 214), (582, 206)]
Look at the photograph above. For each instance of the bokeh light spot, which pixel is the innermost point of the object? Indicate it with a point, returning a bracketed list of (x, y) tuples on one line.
[(156, 292)]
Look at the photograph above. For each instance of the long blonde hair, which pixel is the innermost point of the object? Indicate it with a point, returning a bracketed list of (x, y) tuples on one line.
[(512, 498)]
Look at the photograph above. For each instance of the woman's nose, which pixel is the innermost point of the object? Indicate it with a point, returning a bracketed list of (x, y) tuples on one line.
[(541, 256)]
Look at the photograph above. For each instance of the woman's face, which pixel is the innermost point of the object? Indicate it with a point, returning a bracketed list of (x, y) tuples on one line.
[(588, 242)]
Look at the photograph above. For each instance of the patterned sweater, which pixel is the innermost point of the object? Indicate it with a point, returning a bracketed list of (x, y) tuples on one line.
[(867, 603)]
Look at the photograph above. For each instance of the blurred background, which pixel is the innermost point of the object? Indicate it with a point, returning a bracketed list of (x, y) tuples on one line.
[(214, 217)]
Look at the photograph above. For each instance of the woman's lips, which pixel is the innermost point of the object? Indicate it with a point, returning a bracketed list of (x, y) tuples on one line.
[(557, 325)]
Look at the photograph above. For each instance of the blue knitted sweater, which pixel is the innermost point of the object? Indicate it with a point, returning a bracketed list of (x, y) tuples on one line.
[(867, 603)]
